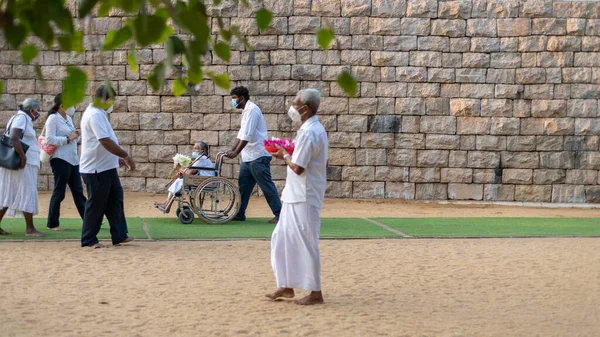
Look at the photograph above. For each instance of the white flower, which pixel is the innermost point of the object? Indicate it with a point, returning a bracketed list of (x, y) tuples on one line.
[(182, 160)]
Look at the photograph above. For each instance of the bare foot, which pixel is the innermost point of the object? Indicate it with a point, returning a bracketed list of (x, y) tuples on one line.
[(35, 233), (96, 246), (3, 232), (129, 239), (281, 292), (315, 297), (59, 229)]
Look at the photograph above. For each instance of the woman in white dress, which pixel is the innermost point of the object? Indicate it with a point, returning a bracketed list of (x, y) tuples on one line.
[(61, 132), (200, 159), (19, 187)]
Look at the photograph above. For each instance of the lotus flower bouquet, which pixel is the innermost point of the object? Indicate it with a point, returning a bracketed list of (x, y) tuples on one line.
[(182, 160), (286, 143)]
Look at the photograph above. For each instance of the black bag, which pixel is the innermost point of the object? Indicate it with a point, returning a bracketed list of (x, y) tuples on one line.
[(9, 158)]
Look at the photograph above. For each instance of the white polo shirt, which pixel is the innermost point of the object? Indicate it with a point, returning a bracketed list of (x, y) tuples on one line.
[(253, 129), (310, 152), (94, 157)]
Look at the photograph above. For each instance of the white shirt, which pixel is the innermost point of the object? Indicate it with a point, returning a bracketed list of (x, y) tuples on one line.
[(310, 152), (94, 157), (204, 161), (58, 129), (253, 129), (23, 122)]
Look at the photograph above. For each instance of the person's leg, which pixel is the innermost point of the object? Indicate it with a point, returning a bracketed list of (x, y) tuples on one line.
[(98, 188), (2, 212), (278, 259), (261, 171), (30, 229), (77, 190), (246, 184), (61, 171), (115, 212), (313, 230)]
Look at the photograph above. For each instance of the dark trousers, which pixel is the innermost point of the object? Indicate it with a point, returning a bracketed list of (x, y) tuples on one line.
[(251, 173), (105, 198), (64, 174)]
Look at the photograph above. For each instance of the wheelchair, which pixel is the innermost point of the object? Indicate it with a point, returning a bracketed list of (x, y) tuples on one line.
[(214, 199)]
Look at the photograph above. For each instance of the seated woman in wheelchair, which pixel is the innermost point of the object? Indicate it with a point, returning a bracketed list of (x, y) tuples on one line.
[(201, 159)]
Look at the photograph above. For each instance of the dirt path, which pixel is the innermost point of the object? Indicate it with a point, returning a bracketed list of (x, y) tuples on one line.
[(483, 287)]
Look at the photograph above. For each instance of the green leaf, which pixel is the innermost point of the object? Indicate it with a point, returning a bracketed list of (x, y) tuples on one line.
[(174, 46), (74, 86), (1, 87), (104, 9), (217, 2), (195, 75), (222, 51), (129, 6), (28, 53), (263, 18), (348, 83), (167, 32), (72, 42), (115, 38), (132, 59), (179, 87), (221, 80), (148, 29), (156, 78), (324, 37), (16, 35), (85, 7)]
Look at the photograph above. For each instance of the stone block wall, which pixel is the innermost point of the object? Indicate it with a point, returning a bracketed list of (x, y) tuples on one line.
[(463, 100)]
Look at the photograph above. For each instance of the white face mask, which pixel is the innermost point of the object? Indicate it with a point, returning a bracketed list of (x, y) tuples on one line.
[(70, 111), (294, 114), (110, 109)]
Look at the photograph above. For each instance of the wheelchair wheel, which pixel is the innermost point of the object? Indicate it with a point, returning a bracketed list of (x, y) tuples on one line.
[(216, 200), (186, 216)]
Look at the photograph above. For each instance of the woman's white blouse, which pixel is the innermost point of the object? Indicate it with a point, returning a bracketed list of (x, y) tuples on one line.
[(57, 131)]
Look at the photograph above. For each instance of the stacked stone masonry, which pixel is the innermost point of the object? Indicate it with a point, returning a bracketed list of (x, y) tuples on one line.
[(462, 100)]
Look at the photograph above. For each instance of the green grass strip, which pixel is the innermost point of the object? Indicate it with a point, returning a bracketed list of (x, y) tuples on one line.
[(482, 227), (72, 229), (171, 228)]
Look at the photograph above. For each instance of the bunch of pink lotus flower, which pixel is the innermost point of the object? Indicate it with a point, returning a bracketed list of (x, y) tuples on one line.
[(286, 143)]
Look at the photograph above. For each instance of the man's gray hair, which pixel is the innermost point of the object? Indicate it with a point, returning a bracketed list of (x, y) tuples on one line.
[(202, 146), (312, 98), (28, 104)]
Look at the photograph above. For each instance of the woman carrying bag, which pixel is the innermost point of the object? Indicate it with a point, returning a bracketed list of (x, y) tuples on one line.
[(61, 133), (18, 187)]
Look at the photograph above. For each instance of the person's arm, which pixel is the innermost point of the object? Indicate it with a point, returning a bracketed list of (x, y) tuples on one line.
[(115, 149), (245, 134), (51, 127), (15, 138), (102, 132), (303, 148)]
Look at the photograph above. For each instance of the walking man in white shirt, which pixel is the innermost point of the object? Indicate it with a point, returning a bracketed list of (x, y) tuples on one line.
[(256, 161), (101, 155), (295, 256)]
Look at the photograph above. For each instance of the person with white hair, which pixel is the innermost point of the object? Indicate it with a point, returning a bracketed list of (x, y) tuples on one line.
[(18, 188), (201, 161), (295, 256)]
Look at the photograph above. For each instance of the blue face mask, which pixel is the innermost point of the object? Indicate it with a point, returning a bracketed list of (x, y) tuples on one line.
[(195, 154), (234, 103)]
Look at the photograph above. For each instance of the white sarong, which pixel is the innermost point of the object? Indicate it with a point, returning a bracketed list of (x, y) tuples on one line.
[(295, 254), (18, 190), (176, 186)]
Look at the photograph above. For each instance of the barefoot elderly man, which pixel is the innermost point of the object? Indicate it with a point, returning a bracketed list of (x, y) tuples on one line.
[(295, 241)]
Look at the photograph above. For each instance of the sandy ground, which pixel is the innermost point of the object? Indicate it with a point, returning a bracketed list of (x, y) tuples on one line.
[(140, 204), (452, 287), (416, 287)]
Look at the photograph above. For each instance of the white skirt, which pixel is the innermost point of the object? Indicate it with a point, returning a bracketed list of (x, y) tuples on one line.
[(19, 190), (176, 186), (295, 256)]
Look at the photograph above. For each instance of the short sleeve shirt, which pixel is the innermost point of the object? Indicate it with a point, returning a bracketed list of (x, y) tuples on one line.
[(253, 129), (94, 157), (311, 153)]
